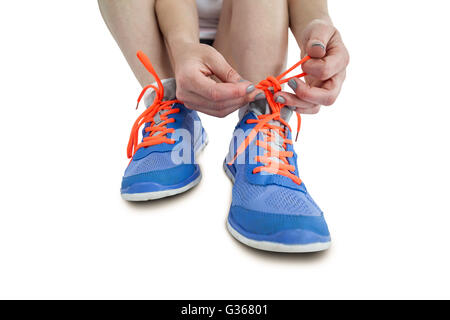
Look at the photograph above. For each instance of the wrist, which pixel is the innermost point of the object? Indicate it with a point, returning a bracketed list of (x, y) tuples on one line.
[(178, 47)]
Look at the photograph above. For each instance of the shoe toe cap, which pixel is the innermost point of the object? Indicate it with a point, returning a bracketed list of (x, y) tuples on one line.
[(278, 213), (299, 227), (159, 179)]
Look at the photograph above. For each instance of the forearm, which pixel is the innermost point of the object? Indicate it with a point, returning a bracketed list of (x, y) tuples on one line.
[(178, 22), (302, 12)]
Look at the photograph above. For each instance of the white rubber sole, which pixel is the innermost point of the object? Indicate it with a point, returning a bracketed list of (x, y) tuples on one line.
[(146, 196), (154, 195), (278, 247)]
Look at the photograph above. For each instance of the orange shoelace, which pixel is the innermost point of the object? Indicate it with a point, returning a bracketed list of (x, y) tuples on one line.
[(157, 132), (281, 167)]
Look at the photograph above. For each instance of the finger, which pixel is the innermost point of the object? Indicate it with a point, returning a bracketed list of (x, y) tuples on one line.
[(194, 99), (223, 72), (215, 112), (325, 95), (336, 60), (222, 69), (258, 94), (312, 110), (318, 38), (215, 92), (292, 100)]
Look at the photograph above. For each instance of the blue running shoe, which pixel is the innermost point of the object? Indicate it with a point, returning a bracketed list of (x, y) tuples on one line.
[(163, 164), (271, 208)]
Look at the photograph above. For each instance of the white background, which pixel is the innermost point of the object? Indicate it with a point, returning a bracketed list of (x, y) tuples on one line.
[(376, 162)]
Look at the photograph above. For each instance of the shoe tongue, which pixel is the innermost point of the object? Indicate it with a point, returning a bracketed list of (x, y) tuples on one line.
[(260, 107), (170, 88)]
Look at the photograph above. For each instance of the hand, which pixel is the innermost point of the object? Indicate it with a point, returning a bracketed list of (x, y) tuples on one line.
[(195, 65), (326, 71)]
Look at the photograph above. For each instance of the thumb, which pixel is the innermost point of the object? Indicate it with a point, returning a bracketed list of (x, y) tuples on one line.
[(319, 36), (222, 69), (225, 73)]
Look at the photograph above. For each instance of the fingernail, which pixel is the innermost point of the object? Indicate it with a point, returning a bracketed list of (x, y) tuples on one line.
[(293, 84), (260, 96), (250, 88), (318, 44), (280, 99)]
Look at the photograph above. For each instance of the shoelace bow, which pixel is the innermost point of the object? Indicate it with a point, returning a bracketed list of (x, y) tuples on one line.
[(263, 125), (157, 132)]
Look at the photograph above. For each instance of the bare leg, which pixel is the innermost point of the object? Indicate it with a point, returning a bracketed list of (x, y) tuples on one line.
[(134, 26), (253, 37)]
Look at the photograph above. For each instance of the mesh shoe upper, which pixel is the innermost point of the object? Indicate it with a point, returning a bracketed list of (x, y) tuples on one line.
[(264, 191), (160, 157), (267, 203), (172, 160)]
